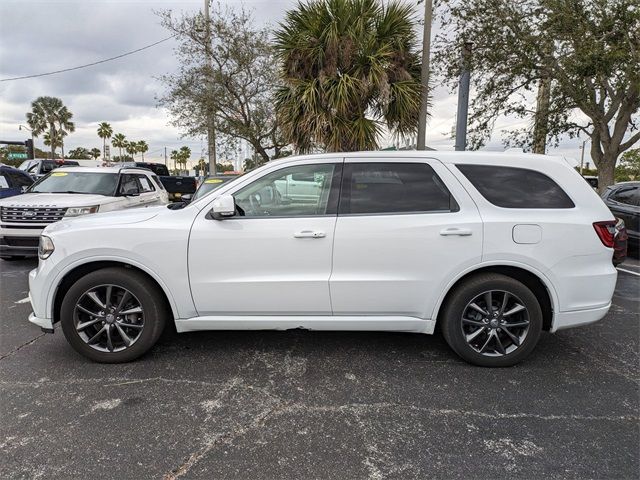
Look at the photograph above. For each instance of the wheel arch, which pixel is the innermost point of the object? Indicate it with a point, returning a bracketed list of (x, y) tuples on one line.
[(537, 283), (78, 271)]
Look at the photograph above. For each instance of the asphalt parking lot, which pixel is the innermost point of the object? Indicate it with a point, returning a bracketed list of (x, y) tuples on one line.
[(309, 405)]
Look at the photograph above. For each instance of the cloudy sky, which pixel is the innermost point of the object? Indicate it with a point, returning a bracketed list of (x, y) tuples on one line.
[(46, 35)]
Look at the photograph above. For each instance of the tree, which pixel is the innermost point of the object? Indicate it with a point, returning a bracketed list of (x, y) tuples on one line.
[(65, 126), (236, 79), (131, 148), (224, 167), (142, 148), (584, 52), (48, 114), (350, 68), (104, 132), (80, 153), (119, 141), (95, 153), (52, 139), (183, 156), (629, 168), (175, 156)]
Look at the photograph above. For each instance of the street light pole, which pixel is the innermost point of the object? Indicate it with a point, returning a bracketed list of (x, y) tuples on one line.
[(424, 75), (33, 156)]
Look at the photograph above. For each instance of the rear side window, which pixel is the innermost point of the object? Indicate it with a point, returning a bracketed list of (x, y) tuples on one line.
[(628, 196), (379, 188), (511, 187), (145, 184)]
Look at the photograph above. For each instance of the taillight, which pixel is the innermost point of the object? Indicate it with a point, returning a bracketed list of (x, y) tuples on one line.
[(606, 231)]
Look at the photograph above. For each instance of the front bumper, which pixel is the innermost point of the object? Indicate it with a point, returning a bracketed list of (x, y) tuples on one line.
[(19, 241), (44, 323)]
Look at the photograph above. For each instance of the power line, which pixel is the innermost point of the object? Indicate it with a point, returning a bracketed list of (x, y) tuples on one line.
[(88, 64)]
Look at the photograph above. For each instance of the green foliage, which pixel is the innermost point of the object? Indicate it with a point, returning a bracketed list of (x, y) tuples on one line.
[(119, 141), (629, 167), (349, 68), (80, 153), (231, 79), (587, 50), (49, 116)]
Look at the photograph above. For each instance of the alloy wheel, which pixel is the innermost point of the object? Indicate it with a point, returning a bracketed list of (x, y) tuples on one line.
[(495, 323), (108, 318)]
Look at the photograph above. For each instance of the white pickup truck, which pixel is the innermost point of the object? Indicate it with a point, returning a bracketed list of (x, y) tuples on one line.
[(70, 192)]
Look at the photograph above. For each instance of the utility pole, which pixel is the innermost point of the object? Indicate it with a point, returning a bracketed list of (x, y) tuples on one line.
[(165, 157), (424, 75), (211, 119), (582, 157), (463, 98)]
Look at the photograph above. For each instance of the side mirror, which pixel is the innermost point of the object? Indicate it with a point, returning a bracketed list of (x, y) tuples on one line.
[(223, 207)]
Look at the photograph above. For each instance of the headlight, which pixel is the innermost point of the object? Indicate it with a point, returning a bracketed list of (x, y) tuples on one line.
[(75, 211), (45, 248)]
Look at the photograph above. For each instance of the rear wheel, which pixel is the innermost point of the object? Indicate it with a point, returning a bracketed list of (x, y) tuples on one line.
[(113, 315), (492, 320)]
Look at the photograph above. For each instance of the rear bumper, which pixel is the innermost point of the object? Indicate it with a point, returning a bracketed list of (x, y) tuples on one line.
[(578, 318)]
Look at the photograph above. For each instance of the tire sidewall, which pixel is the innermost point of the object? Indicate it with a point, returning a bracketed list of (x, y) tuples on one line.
[(460, 298), (138, 285)]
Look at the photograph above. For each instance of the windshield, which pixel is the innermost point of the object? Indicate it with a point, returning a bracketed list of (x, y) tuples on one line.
[(211, 184), (77, 182)]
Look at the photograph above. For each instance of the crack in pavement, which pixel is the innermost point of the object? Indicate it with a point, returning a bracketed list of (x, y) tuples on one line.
[(19, 347)]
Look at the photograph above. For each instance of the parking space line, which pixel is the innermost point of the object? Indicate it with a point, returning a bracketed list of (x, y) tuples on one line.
[(24, 300), (629, 271)]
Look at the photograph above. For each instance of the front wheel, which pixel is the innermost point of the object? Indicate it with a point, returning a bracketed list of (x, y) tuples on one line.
[(492, 320), (113, 315)]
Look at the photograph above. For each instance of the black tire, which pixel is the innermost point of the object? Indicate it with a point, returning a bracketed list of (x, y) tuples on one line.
[(475, 287), (13, 258), (146, 292)]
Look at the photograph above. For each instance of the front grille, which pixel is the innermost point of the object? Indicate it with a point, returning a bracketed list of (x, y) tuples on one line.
[(22, 241), (31, 214)]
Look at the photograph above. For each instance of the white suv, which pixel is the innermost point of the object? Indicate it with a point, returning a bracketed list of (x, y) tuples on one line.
[(494, 247), (70, 192)]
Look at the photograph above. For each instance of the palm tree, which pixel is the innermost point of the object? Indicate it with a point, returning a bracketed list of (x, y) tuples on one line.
[(65, 125), (46, 115), (142, 148), (104, 132), (119, 141), (183, 156), (131, 148), (52, 139), (349, 68), (175, 156), (95, 153)]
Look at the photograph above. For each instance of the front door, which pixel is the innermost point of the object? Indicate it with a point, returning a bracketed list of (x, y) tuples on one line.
[(403, 230), (274, 256)]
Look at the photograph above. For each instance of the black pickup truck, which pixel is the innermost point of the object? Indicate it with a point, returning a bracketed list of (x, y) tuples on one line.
[(176, 186)]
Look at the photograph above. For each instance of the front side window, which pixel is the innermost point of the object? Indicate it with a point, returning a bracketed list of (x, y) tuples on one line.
[(301, 190), (389, 188), (129, 185), (511, 187), (60, 181)]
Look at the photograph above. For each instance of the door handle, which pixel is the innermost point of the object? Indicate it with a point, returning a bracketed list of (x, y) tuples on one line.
[(309, 234), (461, 232)]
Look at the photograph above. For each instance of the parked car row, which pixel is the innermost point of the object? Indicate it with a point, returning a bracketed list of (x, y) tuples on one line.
[(493, 247), (70, 192)]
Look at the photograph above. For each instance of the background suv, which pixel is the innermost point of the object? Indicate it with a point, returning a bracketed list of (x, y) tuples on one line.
[(71, 192), (493, 247), (623, 199)]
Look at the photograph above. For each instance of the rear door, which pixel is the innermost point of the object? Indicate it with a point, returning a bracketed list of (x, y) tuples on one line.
[(404, 228), (624, 202)]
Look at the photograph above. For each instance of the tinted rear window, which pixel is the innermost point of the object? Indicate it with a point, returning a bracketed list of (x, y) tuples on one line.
[(378, 188), (511, 187)]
